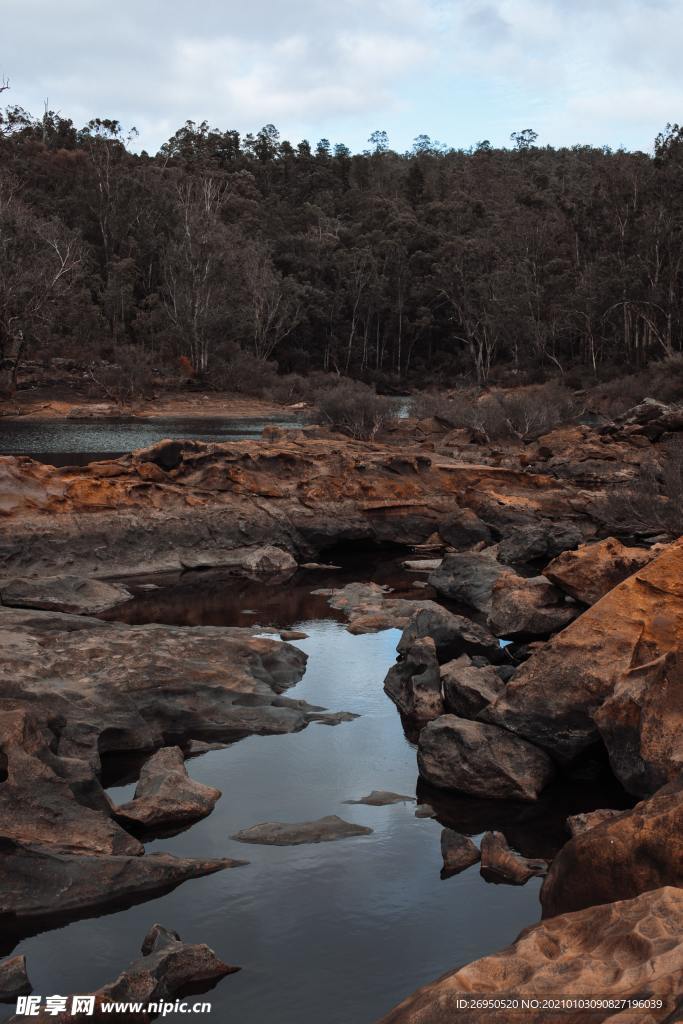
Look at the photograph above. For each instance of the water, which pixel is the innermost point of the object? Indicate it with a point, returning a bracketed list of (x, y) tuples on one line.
[(77, 442), (335, 933)]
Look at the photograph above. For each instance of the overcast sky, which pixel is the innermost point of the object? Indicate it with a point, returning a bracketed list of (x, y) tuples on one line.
[(606, 72)]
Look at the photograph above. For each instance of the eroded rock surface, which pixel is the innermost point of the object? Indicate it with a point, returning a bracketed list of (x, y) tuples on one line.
[(458, 852), (63, 594), (501, 864), (468, 688), (13, 979), (481, 760), (633, 948), (280, 833), (592, 570), (414, 683), (469, 578), (523, 608), (166, 795), (452, 634)]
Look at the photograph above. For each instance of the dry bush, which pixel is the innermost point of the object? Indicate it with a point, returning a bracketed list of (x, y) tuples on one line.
[(128, 377), (653, 502), (355, 409)]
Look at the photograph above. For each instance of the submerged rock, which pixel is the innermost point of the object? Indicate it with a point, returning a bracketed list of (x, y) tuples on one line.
[(63, 594), (625, 855), (382, 798), (458, 852), (166, 795), (13, 979), (626, 950), (481, 760), (501, 864), (279, 833), (414, 683)]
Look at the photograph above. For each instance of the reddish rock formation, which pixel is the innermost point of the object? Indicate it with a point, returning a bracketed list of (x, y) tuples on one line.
[(165, 794), (554, 697), (631, 949), (591, 571), (523, 608), (501, 864), (637, 850)]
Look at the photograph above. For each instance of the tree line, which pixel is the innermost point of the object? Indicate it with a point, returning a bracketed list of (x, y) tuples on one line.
[(390, 267)]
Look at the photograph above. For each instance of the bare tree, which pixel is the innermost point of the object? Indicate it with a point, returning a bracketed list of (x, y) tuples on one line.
[(273, 306)]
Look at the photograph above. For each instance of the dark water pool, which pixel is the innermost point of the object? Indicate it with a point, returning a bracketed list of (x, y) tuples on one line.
[(77, 442), (328, 934)]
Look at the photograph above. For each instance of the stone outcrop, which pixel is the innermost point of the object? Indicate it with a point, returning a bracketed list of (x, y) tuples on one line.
[(452, 634), (13, 979), (63, 594), (481, 760), (554, 698), (282, 833), (539, 541), (464, 529), (630, 949), (168, 967), (414, 682), (468, 578), (626, 855), (165, 794), (500, 864), (189, 503), (523, 608), (592, 570), (458, 853), (467, 688)]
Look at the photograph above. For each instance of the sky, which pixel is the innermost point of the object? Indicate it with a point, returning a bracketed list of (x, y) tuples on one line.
[(599, 72)]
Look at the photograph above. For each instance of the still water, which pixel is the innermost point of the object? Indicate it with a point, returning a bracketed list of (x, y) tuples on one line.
[(334, 933), (77, 442)]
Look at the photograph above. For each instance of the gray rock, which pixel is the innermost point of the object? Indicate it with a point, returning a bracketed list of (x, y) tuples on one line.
[(481, 760), (14, 979), (458, 852), (463, 529), (468, 578), (382, 798), (165, 794), (538, 541), (453, 635), (279, 833), (414, 683), (467, 689), (523, 608), (331, 717), (63, 594)]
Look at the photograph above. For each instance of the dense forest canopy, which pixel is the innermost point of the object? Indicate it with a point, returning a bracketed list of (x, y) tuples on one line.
[(420, 266)]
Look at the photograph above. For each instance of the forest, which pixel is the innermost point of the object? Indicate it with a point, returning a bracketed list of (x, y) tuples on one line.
[(225, 257)]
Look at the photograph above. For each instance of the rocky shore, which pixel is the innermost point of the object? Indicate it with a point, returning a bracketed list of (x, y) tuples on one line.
[(554, 650)]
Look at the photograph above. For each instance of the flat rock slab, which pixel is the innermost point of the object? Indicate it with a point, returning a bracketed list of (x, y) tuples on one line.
[(14, 979), (382, 798), (280, 833), (166, 795), (72, 594)]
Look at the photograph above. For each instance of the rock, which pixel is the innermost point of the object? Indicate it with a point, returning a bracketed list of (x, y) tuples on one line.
[(591, 571), (39, 886), (266, 559), (13, 979), (63, 594), (166, 795), (168, 968), (654, 418), (293, 634), (468, 578), (382, 798), (458, 852), (195, 748), (522, 608), (501, 864), (278, 833), (369, 609), (627, 950), (555, 696), (626, 855), (580, 823), (463, 529), (481, 760), (467, 689), (453, 635), (414, 683), (540, 541), (425, 811), (422, 564), (319, 565), (331, 717), (641, 724)]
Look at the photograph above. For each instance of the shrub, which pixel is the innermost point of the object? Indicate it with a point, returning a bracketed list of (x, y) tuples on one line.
[(652, 503), (130, 376), (355, 409)]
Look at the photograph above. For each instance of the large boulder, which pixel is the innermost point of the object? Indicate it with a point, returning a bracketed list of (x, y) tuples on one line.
[(463, 529), (467, 688), (166, 795), (458, 853), (553, 697), (468, 578), (481, 760), (453, 635), (524, 608), (414, 683), (625, 855), (591, 571), (538, 541), (641, 724), (63, 594), (627, 950)]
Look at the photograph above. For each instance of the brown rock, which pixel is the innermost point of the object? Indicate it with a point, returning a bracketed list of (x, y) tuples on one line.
[(63, 594), (631, 949), (280, 833), (591, 571), (166, 795), (636, 851), (481, 760), (553, 698), (463, 529), (522, 608), (580, 823), (501, 864), (458, 852), (538, 541), (13, 979), (468, 689), (382, 798), (414, 683)]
